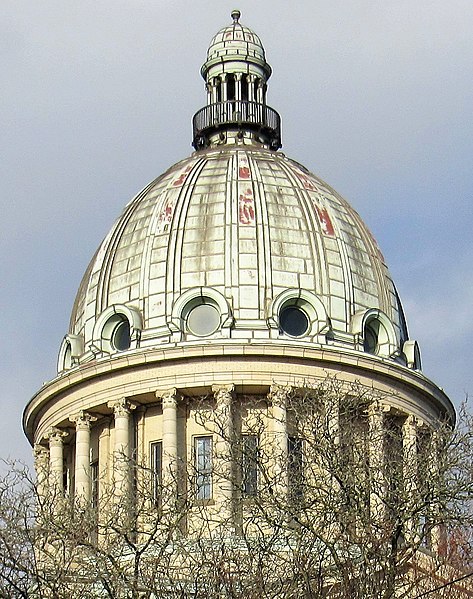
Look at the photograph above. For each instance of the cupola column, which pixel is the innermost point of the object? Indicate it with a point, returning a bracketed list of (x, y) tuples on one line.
[(82, 421), (260, 92), (169, 400), (121, 451), (251, 87), (223, 449), (56, 460), (214, 90), (238, 96), (278, 397)]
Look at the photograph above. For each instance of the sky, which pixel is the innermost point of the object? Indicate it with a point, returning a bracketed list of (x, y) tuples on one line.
[(97, 100)]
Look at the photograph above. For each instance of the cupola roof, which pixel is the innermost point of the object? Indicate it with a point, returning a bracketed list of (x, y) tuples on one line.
[(236, 42)]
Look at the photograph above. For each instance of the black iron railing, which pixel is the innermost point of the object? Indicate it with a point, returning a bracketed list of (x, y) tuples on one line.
[(237, 115)]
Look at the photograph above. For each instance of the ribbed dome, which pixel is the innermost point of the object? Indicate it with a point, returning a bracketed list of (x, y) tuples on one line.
[(237, 242), (250, 225)]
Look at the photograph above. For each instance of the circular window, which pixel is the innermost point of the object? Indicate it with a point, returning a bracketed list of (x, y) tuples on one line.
[(293, 321), (121, 338), (203, 319)]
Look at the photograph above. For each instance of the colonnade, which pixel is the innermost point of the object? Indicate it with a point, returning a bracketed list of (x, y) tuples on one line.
[(49, 461), (247, 87)]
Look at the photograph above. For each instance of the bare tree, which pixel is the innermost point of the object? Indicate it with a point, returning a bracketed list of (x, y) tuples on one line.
[(348, 504)]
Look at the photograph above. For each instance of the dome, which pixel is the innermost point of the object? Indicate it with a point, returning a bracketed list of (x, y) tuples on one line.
[(249, 231), (237, 243)]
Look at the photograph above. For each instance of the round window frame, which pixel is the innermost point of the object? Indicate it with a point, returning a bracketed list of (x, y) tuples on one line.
[(106, 324), (387, 344), (307, 302), (194, 297)]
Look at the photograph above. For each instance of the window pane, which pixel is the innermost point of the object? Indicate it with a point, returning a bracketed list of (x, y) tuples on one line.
[(94, 483), (156, 470), (249, 474), (203, 465), (293, 321), (203, 320), (295, 466)]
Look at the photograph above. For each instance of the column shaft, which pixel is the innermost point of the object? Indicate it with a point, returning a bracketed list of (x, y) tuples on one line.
[(56, 460), (82, 462), (223, 469), (169, 459), (278, 396), (121, 450), (376, 449)]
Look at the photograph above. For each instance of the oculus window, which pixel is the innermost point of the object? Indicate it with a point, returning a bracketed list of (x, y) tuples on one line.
[(293, 321), (203, 319)]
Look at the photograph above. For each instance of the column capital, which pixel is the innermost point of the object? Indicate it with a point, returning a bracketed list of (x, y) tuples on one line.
[(411, 421), (122, 406), (82, 420), (56, 436), (278, 394), (169, 397), (223, 392)]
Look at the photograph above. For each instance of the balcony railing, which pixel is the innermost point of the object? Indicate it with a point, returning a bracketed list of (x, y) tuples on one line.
[(240, 115)]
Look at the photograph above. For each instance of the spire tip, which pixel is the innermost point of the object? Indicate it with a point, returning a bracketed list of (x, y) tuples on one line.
[(236, 14)]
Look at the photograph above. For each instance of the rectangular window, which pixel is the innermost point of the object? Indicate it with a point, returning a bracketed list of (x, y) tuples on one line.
[(156, 451), (295, 470), (249, 465), (203, 467)]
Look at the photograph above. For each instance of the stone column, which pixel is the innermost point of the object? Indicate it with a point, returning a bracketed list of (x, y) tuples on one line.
[(56, 460), (223, 476), (169, 461), (251, 88), (41, 465), (376, 454), (278, 397), (409, 465), (82, 463), (121, 450), (260, 92), (437, 533), (214, 85)]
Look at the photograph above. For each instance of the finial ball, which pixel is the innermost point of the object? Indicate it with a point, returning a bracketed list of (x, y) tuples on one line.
[(236, 14)]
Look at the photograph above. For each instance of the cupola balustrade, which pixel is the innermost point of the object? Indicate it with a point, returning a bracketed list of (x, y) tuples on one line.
[(237, 115)]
